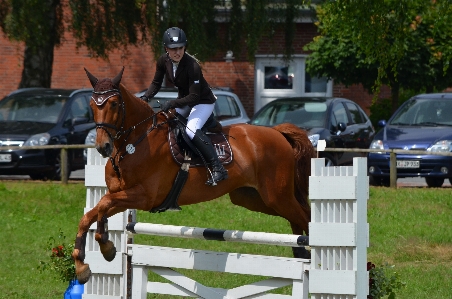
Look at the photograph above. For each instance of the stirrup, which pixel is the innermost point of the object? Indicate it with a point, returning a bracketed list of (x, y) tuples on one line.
[(217, 175)]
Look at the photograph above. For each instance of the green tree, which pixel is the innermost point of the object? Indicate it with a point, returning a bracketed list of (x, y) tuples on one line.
[(401, 43), (105, 25)]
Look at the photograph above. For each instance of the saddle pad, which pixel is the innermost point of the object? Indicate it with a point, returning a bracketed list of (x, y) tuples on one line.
[(219, 141)]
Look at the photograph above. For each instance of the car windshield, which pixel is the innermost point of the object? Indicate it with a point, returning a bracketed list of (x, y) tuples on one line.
[(302, 114), (31, 108), (424, 112)]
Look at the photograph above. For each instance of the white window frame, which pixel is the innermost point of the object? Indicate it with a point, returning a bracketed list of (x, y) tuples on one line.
[(263, 96)]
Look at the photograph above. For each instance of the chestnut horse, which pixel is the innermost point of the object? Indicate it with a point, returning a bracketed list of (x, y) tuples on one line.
[(269, 172)]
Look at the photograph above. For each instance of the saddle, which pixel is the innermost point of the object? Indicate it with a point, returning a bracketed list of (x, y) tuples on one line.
[(181, 145), (187, 155)]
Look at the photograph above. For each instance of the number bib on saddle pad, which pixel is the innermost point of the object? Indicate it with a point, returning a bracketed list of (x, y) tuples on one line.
[(178, 147)]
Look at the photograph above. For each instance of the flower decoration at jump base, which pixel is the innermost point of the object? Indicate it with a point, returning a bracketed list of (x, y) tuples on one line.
[(383, 281), (59, 260)]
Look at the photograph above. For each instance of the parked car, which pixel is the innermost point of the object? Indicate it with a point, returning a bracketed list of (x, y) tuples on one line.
[(340, 122), (423, 123), (41, 116), (228, 107)]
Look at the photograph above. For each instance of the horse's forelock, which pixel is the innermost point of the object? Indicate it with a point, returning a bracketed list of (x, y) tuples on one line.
[(104, 85)]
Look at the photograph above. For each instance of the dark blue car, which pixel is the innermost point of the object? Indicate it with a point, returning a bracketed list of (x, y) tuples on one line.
[(340, 122), (423, 123), (43, 116)]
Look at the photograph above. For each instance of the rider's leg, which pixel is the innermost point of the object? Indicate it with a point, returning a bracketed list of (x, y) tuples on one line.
[(198, 116)]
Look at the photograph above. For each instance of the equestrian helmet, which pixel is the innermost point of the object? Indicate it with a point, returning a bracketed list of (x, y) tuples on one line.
[(174, 37)]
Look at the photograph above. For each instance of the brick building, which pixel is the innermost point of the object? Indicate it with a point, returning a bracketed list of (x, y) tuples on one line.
[(246, 79)]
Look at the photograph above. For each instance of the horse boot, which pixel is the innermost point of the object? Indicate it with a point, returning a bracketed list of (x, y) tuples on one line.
[(203, 144)]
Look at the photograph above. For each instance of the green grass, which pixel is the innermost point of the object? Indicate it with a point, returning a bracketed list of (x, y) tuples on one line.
[(409, 228)]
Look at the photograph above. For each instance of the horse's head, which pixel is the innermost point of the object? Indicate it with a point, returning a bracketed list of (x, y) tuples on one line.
[(108, 109)]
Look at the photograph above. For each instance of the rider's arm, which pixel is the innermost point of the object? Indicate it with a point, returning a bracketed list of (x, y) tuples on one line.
[(157, 81)]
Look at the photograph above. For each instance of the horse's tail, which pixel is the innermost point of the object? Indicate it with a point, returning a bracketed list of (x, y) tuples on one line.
[(303, 152)]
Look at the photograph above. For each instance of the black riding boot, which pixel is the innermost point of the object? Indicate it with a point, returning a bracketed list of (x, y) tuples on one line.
[(203, 144)]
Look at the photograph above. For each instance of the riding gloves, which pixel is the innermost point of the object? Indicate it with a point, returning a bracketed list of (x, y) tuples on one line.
[(144, 98), (166, 106)]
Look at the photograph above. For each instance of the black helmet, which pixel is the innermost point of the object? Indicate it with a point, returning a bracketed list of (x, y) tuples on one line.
[(174, 38)]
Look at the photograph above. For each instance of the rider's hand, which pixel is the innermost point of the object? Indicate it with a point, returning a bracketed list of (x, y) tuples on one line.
[(166, 106), (144, 98)]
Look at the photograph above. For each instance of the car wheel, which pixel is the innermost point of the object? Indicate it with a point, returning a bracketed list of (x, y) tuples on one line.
[(56, 173), (434, 182), (38, 177), (329, 160), (373, 181)]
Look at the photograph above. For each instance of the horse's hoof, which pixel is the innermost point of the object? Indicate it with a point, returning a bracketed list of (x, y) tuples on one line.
[(108, 250), (84, 274)]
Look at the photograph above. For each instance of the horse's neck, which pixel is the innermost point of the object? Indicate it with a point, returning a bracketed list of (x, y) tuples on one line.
[(137, 111), (140, 120)]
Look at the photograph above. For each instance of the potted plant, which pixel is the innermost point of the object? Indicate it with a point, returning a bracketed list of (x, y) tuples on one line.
[(59, 262)]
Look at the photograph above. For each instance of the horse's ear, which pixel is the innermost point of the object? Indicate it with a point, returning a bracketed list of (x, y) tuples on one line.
[(116, 80), (91, 78)]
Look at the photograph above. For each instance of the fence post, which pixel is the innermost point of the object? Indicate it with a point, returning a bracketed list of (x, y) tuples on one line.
[(339, 232), (63, 165), (393, 170)]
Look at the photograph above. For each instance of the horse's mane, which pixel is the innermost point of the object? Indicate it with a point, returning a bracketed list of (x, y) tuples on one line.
[(126, 93)]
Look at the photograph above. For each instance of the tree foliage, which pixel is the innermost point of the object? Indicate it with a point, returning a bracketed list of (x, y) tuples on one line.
[(106, 25), (401, 43)]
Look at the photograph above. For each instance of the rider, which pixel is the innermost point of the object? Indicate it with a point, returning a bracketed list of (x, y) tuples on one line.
[(195, 99)]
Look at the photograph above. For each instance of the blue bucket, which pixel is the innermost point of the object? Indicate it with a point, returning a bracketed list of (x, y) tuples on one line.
[(74, 290)]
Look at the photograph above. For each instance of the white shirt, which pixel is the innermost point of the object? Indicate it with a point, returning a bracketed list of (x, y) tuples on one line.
[(175, 65)]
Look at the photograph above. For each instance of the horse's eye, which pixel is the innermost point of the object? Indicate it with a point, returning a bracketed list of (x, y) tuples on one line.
[(114, 104)]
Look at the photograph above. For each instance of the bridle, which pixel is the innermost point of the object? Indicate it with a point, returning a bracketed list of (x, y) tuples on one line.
[(101, 100), (120, 131)]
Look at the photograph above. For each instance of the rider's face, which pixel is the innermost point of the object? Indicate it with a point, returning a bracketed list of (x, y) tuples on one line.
[(176, 53)]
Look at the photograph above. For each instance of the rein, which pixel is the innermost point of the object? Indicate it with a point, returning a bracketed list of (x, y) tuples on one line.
[(130, 147)]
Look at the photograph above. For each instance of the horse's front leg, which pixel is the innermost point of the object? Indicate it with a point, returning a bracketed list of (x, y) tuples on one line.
[(107, 248), (78, 254)]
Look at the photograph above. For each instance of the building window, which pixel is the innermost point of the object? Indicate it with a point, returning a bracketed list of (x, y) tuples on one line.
[(315, 84), (276, 78)]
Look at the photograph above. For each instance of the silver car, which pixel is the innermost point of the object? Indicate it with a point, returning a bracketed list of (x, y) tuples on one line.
[(228, 108)]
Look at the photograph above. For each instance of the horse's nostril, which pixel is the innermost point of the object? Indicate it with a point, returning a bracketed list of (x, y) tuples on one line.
[(108, 148), (104, 150)]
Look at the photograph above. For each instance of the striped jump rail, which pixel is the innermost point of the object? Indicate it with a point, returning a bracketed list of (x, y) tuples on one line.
[(217, 234)]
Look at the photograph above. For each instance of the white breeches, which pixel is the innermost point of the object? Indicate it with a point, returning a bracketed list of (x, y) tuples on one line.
[(196, 117)]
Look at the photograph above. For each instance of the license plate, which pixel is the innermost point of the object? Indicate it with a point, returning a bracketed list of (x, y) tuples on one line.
[(407, 164), (5, 158)]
